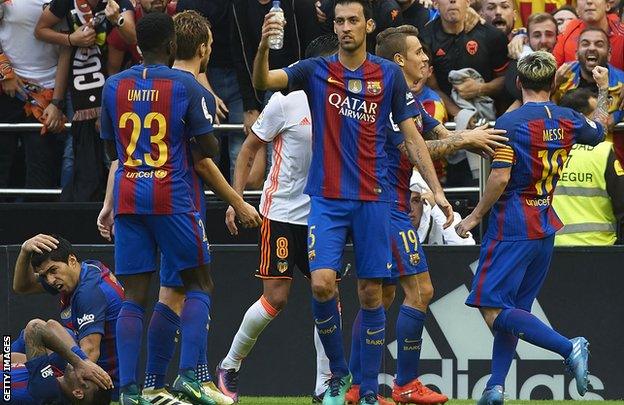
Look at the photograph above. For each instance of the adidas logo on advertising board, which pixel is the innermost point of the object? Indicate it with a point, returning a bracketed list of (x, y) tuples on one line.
[(465, 371)]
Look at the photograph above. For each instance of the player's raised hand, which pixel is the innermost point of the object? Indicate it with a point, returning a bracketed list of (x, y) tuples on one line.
[(230, 220), (105, 221), (222, 110), (270, 27), (247, 215), (445, 206), (485, 140), (601, 76), (320, 15), (463, 228), (87, 370), (40, 243)]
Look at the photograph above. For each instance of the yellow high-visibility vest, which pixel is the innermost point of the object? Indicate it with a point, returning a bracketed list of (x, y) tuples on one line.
[(581, 200)]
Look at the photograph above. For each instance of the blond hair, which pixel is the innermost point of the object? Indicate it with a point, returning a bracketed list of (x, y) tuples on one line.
[(536, 71)]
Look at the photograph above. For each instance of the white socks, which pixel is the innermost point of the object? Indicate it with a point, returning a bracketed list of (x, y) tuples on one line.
[(257, 317), (323, 373)]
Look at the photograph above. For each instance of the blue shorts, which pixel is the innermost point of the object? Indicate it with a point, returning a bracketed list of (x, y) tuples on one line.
[(368, 224), (180, 237), (408, 257), (510, 273)]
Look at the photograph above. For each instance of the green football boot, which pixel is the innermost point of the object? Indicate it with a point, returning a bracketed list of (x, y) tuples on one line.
[(189, 388), (132, 396), (337, 390)]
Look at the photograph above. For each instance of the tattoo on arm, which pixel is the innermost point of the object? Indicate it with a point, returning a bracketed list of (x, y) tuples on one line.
[(601, 114), (440, 148), (34, 342), (439, 132)]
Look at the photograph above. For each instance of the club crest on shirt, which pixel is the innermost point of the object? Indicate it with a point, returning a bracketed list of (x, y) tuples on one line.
[(472, 47), (373, 87), (282, 266), (354, 86)]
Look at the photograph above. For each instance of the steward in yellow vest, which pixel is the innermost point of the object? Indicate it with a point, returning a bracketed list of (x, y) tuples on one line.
[(589, 197)]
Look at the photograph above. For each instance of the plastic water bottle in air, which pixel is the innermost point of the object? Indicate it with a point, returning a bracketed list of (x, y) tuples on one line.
[(277, 41)]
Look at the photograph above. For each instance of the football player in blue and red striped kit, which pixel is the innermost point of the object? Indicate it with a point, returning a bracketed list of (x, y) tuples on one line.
[(150, 116), (351, 96), (518, 245), (53, 370), (90, 296)]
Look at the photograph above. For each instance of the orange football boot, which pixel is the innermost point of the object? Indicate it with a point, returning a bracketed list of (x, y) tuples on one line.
[(415, 392)]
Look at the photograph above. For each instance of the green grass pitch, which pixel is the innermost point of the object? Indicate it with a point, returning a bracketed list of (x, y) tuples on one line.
[(307, 400)]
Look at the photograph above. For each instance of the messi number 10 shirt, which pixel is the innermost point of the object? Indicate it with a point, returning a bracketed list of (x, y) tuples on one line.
[(350, 113), (152, 112), (540, 137)]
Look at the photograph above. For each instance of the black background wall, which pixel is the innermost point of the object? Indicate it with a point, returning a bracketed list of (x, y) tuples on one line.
[(582, 296)]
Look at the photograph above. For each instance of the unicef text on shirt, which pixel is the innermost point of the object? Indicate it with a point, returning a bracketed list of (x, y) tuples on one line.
[(351, 107)]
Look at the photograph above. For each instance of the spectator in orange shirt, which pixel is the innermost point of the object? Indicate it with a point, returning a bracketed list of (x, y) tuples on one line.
[(592, 13)]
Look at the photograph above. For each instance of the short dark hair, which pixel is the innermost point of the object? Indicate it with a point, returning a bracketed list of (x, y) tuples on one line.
[(536, 71), (596, 29), (61, 254), (192, 29), (99, 397), (322, 46), (538, 18), (565, 7), (578, 100), (393, 40), (154, 31), (366, 5)]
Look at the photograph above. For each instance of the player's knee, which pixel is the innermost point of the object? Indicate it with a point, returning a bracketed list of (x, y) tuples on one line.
[(370, 293), (490, 315), (197, 279), (277, 299), (426, 293), (322, 290)]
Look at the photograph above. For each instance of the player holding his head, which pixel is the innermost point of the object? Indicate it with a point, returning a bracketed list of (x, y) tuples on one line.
[(518, 245), (90, 296), (54, 370), (351, 96), (286, 123), (150, 116), (409, 266)]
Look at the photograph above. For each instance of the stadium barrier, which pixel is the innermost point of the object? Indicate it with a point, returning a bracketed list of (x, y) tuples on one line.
[(580, 297)]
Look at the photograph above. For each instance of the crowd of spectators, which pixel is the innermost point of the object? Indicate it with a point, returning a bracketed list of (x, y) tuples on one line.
[(55, 56)]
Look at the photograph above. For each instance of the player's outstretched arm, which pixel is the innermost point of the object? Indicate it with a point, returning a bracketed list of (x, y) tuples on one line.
[(211, 175), (24, 279), (242, 169), (496, 183), (601, 113), (419, 156), (263, 78)]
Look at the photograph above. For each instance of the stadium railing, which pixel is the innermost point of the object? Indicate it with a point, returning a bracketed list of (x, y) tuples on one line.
[(226, 127)]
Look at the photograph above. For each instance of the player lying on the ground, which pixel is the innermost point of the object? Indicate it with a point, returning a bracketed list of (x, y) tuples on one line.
[(53, 372), (165, 319), (286, 123), (409, 265), (518, 245), (351, 96), (90, 295)]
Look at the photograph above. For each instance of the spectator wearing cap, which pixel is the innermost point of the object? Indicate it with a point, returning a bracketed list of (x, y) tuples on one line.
[(589, 198), (592, 13), (32, 87)]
